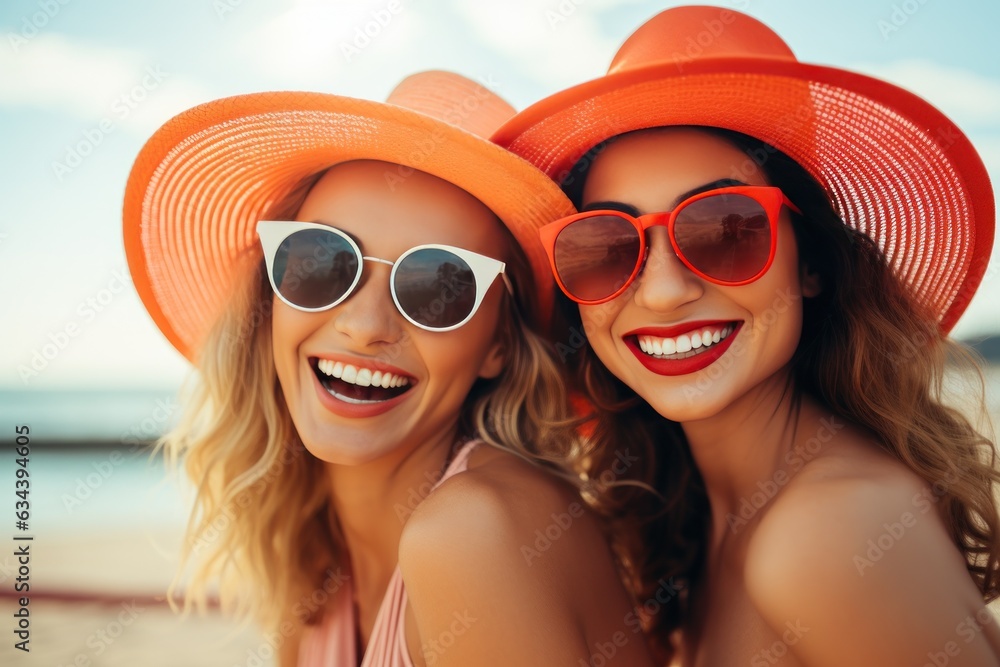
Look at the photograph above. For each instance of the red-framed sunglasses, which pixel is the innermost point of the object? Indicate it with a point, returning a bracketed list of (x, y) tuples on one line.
[(727, 236)]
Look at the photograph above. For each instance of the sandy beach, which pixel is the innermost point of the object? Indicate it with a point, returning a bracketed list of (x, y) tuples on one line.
[(106, 635), (100, 603)]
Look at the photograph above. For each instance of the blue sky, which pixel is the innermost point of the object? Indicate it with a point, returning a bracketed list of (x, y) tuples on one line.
[(108, 72)]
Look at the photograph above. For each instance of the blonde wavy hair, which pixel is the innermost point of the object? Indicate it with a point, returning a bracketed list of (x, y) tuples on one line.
[(262, 528), (868, 352)]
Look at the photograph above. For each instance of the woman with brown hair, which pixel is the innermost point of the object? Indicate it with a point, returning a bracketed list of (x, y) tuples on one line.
[(768, 258)]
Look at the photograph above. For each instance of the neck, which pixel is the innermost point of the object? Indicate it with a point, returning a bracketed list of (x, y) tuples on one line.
[(373, 501), (747, 452)]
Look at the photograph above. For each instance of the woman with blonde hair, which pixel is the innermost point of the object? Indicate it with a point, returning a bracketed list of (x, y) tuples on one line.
[(377, 434), (767, 261)]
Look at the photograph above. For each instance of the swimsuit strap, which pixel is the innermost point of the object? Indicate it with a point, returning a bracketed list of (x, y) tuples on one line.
[(460, 462)]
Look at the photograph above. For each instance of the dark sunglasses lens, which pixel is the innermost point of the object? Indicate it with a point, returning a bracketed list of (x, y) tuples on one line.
[(435, 288), (595, 256), (726, 237), (314, 268)]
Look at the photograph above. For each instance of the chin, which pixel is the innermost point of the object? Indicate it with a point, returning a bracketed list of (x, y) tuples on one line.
[(337, 445), (703, 396), (690, 398), (342, 452), (684, 406)]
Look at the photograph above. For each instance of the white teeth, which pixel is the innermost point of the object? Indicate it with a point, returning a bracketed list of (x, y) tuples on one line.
[(363, 377), (350, 374), (684, 343)]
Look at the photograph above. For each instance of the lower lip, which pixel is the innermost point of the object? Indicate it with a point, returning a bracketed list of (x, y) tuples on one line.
[(681, 366), (354, 410)]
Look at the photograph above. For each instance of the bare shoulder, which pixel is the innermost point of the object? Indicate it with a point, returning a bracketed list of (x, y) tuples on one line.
[(859, 530), (515, 554), (829, 511), (501, 510)]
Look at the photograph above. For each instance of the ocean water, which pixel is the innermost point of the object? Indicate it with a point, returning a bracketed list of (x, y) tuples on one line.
[(91, 466), (88, 416)]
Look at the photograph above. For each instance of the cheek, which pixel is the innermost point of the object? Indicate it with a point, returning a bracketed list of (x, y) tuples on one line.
[(457, 357), (288, 329), (597, 323), (779, 329), (777, 311), (451, 364), (595, 328), (597, 319)]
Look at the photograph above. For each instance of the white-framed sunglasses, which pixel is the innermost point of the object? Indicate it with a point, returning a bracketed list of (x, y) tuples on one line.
[(313, 267)]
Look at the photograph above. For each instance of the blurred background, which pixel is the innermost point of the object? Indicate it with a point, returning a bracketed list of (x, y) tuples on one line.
[(83, 84)]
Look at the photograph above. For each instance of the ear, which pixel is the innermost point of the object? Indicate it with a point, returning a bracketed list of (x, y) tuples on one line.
[(810, 283), (493, 362)]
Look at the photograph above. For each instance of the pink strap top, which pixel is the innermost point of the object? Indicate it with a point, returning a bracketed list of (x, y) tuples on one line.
[(333, 641)]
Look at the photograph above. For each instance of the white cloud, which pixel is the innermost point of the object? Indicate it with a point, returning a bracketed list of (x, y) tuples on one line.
[(558, 43), (53, 72), (970, 99), (314, 43), (92, 82)]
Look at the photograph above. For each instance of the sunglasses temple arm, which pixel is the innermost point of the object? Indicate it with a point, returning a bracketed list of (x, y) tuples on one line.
[(506, 281), (788, 202)]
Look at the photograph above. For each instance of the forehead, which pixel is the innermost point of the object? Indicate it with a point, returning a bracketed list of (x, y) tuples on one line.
[(389, 208), (652, 167)]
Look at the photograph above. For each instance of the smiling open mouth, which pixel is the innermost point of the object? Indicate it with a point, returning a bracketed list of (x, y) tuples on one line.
[(685, 345), (684, 348), (359, 385)]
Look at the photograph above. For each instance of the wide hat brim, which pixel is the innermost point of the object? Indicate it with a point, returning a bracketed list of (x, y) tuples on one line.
[(204, 179), (896, 168)]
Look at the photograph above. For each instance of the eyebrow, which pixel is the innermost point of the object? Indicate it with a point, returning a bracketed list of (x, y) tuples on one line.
[(632, 210), (611, 206)]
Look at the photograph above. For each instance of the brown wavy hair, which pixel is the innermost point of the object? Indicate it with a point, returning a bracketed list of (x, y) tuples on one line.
[(262, 531), (868, 351)]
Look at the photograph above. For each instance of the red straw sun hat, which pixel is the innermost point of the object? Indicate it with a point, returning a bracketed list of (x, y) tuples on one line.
[(895, 167), (204, 179)]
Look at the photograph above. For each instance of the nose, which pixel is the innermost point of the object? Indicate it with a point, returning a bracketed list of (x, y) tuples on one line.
[(368, 317), (665, 284)]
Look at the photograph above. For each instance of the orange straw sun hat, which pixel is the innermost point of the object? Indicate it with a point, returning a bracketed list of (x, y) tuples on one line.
[(895, 167), (204, 179)]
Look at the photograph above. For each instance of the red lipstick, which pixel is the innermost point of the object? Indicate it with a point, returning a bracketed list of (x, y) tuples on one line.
[(688, 365)]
